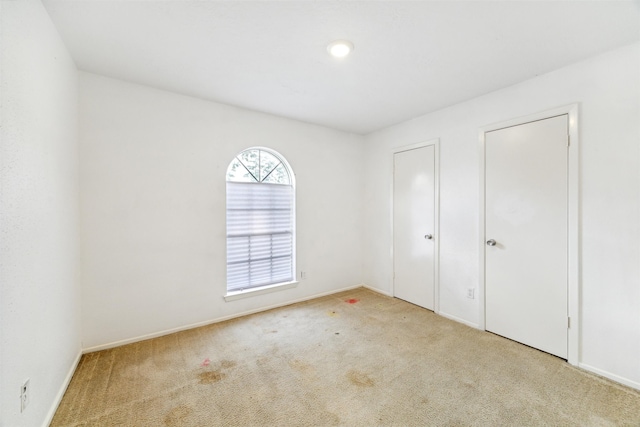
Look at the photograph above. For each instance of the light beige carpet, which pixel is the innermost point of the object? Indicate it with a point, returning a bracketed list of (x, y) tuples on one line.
[(331, 361)]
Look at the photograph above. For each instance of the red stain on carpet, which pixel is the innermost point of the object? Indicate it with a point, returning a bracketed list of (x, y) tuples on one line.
[(205, 362), (351, 301)]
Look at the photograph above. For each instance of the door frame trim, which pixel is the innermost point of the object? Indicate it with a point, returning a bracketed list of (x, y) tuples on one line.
[(573, 221), (436, 232)]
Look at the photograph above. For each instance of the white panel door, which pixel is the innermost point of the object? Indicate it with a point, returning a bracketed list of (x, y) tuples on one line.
[(414, 226), (526, 233)]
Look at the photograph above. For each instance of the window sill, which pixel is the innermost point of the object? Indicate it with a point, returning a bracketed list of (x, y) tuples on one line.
[(232, 296)]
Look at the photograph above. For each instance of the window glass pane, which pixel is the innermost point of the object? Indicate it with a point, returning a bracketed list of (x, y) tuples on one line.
[(238, 173), (251, 161), (278, 176), (267, 162)]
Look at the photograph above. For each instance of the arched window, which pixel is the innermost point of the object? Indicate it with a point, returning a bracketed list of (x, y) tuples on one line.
[(260, 220)]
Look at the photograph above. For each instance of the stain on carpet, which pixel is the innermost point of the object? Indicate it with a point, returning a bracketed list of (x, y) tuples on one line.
[(360, 379), (177, 416), (213, 376), (306, 371), (299, 365), (226, 364), (210, 377)]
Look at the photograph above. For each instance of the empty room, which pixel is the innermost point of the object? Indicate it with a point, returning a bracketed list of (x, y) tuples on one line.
[(316, 213)]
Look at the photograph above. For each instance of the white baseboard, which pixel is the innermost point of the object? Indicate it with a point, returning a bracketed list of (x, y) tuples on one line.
[(609, 375), (380, 291), (63, 389), (459, 320), (209, 322)]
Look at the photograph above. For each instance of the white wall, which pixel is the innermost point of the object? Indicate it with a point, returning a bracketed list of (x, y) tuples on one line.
[(39, 296), (608, 90), (153, 207)]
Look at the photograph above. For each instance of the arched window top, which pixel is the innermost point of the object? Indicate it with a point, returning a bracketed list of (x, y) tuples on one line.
[(259, 165)]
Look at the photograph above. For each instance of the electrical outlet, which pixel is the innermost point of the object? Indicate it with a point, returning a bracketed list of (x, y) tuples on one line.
[(303, 275), (25, 395), (471, 293)]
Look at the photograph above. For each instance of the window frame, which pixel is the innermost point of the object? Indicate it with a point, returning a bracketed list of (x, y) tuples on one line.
[(264, 289)]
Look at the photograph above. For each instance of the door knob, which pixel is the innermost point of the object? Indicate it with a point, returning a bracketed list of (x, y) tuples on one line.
[(491, 242), (428, 236)]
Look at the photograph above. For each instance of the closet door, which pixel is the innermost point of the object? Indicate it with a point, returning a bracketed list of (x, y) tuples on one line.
[(414, 226), (526, 233)]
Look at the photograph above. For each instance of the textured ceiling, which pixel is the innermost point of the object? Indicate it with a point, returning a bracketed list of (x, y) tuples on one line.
[(410, 58)]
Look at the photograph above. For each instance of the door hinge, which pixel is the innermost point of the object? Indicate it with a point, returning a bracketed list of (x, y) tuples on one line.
[(568, 140), (569, 322)]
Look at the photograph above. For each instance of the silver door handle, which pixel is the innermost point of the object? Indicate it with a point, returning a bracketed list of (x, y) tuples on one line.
[(428, 236), (491, 242)]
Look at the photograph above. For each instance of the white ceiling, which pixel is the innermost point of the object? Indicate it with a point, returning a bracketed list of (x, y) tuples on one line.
[(410, 58)]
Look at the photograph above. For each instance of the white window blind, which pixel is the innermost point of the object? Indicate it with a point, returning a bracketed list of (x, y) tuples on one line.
[(259, 234)]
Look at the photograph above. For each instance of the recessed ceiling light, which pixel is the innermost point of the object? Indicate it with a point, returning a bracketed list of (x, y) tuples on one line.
[(340, 48)]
